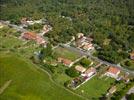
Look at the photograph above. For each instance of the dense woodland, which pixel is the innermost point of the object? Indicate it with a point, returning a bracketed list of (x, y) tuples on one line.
[(109, 22)]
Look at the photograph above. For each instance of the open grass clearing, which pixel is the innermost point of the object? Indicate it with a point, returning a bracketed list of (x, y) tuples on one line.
[(63, 52), (62, 78), (17, 45), (28, 83), (10, 42), (95, 88)]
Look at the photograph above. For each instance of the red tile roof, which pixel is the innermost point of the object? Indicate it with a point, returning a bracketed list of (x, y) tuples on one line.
[(67, 61), (40, 40), (34, 36), (64, 61), (29, 35), (113, 70)]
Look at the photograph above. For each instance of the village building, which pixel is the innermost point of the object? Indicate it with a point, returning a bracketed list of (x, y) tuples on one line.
[(126, 78), (29, 35), (23, 20), (80, 68), (66, 62), (1, 25), (54, 63), (26, 21), (60, 59), (132, 55), (80, 35), (80, 42), (88, 46), (113, 72), (112, 90), (84, 42), (46, 29), (40, 40), (33, 36), (89, 39), (89, 72)]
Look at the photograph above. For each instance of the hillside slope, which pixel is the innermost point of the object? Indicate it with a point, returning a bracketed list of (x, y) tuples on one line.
[(26, 82)]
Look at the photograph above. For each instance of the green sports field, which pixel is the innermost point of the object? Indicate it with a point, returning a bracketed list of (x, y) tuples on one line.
[(27, 82)]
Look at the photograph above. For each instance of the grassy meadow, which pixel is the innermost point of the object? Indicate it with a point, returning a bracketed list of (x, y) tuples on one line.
[(63, 52), (27, 82), (95, 87)]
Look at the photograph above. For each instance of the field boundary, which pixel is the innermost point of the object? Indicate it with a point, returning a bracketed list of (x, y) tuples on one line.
[(50, 77), (6, 85)]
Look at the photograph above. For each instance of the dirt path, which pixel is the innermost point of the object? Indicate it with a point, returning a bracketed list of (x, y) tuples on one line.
[(5, 86), (50, 77)]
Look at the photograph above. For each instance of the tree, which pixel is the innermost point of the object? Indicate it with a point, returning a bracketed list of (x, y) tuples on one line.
[(88, 16), (66, 83), (103, 97), (35, 26), (130, 96), (128, 63), (35, 59), (46, 52), (85, 62), (72, 72)]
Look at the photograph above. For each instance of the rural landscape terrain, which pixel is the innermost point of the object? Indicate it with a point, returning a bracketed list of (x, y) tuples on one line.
[(66, 50)]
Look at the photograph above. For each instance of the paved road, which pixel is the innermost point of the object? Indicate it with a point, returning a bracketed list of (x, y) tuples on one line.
[(95, 58), (74, 49), (19, 28)]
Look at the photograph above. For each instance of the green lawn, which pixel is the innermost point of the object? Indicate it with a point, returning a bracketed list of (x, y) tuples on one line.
[(28, 83), (17, 45), (63, 52), (10, 42), (85, 62), (94, 88), (29, 51), (62, 78), (59, 75)]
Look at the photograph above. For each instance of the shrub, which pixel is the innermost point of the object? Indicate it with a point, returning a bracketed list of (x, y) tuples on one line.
[(72, 72)]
